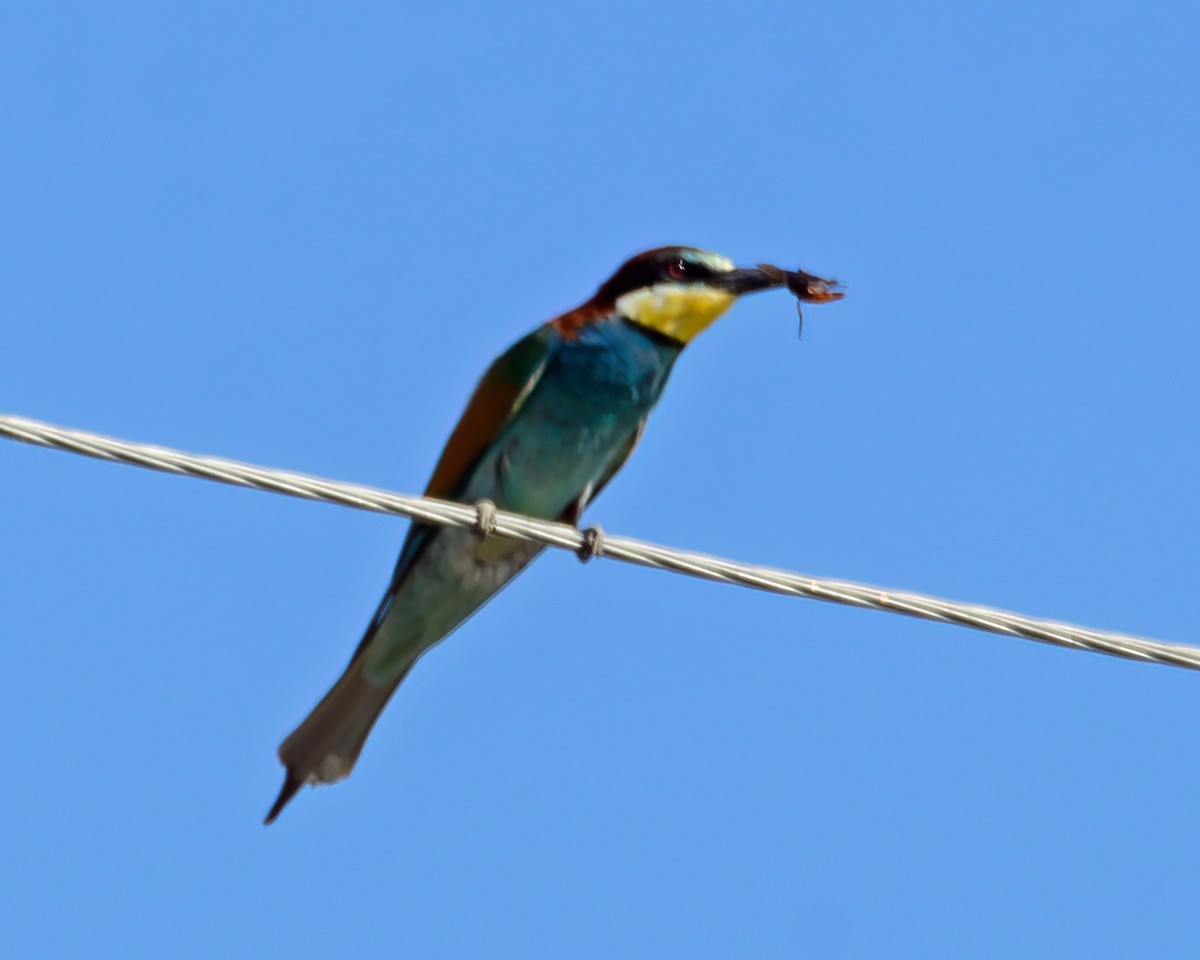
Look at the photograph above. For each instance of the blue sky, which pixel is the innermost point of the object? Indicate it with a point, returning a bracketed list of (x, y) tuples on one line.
[(296, 235)]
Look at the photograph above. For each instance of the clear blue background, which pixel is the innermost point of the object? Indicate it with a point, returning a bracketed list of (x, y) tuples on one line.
[(296, 234)]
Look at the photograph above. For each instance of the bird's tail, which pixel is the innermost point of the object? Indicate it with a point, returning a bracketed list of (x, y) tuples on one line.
[(325, 747)]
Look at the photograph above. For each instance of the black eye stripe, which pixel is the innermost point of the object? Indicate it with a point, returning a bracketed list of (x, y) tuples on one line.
[(671, 266)]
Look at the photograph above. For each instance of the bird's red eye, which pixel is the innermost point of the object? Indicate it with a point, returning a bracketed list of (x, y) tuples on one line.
[(677, 270)]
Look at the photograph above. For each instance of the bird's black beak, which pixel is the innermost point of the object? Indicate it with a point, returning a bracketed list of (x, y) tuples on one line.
[(803, 286), (748, 280)]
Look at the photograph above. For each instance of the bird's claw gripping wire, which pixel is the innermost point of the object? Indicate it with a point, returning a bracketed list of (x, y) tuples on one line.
[(485, 518), (592, 546)]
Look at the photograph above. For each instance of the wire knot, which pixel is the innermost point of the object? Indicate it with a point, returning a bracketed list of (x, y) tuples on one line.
[(592, 546), (485, 518)]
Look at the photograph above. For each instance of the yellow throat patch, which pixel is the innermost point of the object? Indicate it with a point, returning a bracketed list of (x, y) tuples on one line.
[(677, 311)]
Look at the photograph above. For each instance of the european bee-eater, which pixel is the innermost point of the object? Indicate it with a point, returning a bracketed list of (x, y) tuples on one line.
[(551, 422)]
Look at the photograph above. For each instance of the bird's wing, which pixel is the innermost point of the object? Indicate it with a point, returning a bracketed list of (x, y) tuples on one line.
[(497, 399), (499, 396)]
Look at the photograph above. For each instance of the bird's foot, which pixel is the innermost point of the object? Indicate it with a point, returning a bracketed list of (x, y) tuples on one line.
[(593, 544), (485, 518)]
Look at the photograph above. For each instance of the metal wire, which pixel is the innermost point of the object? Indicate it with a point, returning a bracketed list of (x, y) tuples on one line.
[(486, 518)]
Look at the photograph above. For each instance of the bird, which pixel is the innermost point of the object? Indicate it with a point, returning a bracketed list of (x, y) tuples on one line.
[(551, 422)]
